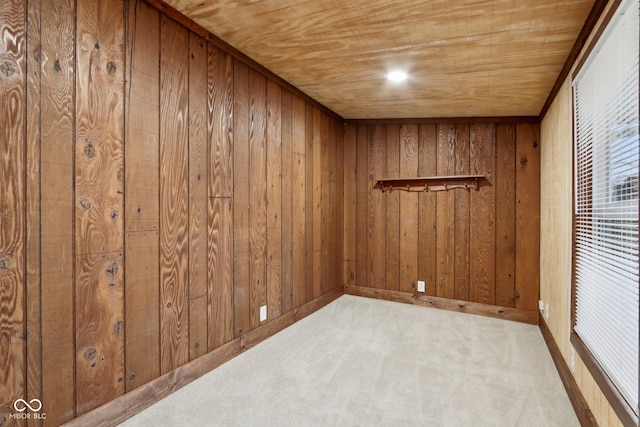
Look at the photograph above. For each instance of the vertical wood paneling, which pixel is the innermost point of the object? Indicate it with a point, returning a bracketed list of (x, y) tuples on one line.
[(142, 117), (99, 127), (527, 216), (274, 200), (220, 272), (376, 219), (408, 209), (317, 202), (300, 190), (287, 188), (220, 294), (445, 216), (99, 187), (142, 108), (461, 201), (289, 282), (13, 21), (350, 212), (142, 123), (220, 122), (257, 195), (505, 214), (362, 192), (482, 219), (100, 351), (32, 209), (57, 198), (198, 155), (174, 198), (309, 201), (428, 150), (240, 197), (332, 211), (142, 215), (392, 201), (465, 240), (142, 298), (325, 212), (338, 203)]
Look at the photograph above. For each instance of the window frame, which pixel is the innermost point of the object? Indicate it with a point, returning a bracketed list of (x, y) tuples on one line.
[(622, 409)]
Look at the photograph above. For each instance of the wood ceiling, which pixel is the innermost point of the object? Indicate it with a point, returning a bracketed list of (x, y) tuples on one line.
[(465, 58)]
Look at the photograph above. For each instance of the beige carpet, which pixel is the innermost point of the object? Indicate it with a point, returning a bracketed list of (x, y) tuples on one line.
[(363, 362)]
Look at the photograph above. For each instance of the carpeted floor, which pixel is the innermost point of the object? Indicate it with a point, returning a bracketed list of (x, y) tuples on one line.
[(364, 362)]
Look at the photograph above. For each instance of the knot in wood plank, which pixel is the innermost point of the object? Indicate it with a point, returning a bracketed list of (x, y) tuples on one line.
[(90, 353), (25, 335), (8, 68), (112, 270), (117, 328), (89, 151)]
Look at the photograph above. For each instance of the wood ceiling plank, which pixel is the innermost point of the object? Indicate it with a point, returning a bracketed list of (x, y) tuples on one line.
[(323, 46)]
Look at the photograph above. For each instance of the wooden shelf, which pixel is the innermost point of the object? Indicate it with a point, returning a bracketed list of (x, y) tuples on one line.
[(431, 183)]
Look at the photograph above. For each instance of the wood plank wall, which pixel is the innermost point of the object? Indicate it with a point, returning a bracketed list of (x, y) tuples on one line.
[(156, 191), (481, 247)]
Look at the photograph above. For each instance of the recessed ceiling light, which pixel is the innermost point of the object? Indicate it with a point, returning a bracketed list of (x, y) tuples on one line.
[(397, 76)]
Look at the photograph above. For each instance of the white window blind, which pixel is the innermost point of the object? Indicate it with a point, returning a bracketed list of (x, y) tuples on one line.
[(606, 201)]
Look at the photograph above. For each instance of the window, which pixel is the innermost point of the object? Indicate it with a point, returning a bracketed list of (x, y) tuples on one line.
[(606, 159)]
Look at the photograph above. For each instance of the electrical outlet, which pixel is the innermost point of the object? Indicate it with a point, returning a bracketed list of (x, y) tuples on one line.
[(546, 311), (572, 360), (263, 313), (420, 285), (540, 305)]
